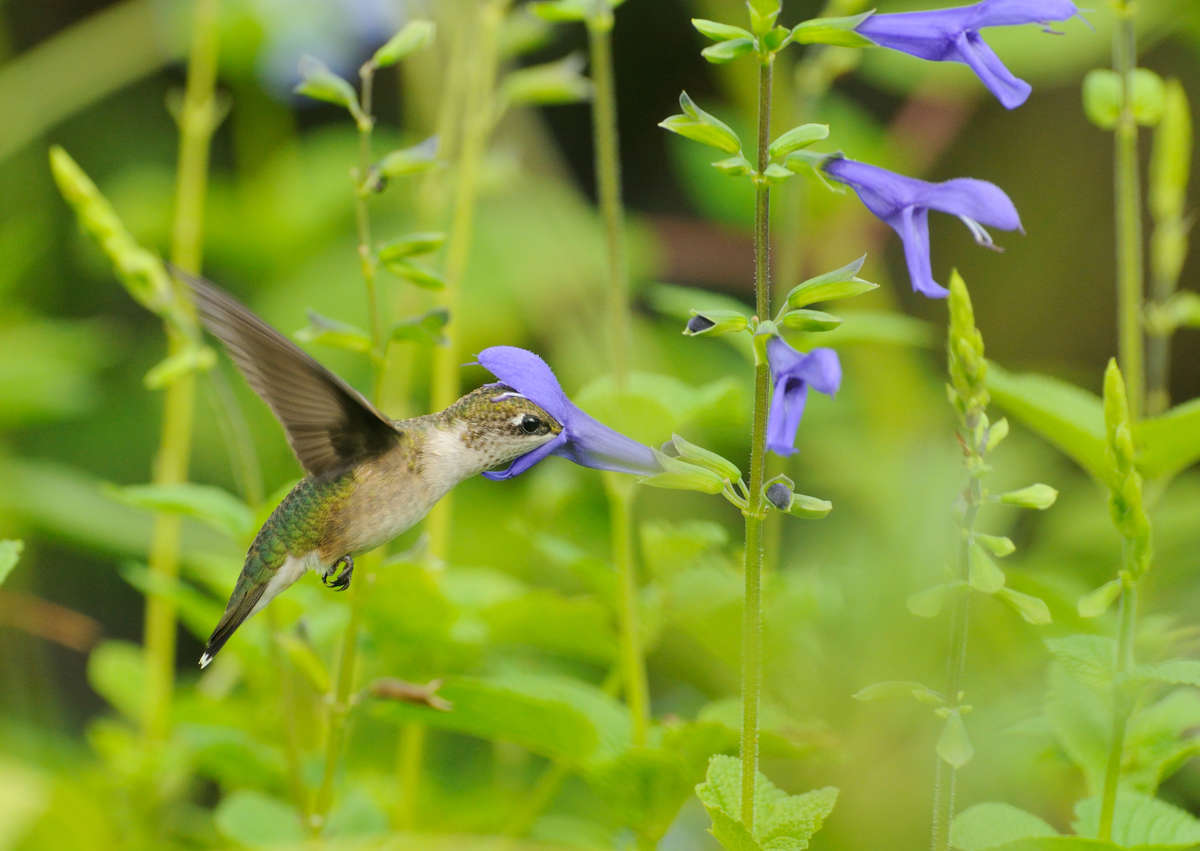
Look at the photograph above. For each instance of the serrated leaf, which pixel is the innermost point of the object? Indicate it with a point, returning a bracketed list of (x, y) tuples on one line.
[(840, 283), (412, 245), (1091, 659), (320, 83), (425, 329), (1033, 609), (900, 688), (10, 552), (954, 744), (1140, 820), (333, 332), (835, 31), (1182, 672), (1095, 603), (556, 716), (718, 31), (984, 575), (986, 826), (1069, 417), (213, 505), (727, 51), (798, 137), (414, 36)]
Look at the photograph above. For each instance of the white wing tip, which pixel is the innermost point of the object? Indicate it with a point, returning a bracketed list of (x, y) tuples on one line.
[(205, 660)]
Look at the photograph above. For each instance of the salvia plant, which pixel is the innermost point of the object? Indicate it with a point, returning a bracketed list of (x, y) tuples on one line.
[(328, 719)]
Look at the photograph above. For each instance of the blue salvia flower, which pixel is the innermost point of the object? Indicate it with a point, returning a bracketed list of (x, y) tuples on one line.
[(583, 439), (952, 35), (905, 202), (792, 374)]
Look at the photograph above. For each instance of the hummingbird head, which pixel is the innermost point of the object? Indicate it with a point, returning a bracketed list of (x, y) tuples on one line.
[(499, 425)]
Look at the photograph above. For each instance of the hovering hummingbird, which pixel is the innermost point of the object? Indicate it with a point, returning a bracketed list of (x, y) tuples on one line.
[(369, 478)]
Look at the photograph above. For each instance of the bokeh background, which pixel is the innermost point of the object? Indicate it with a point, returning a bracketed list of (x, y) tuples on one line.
[(100, 78)]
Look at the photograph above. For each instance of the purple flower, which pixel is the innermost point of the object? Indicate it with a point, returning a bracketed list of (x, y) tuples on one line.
[(905, 202), (793, 373), (582, 439), (952, 35)]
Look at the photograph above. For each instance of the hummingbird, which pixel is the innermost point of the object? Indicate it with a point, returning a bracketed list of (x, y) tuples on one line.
[(369, 478)]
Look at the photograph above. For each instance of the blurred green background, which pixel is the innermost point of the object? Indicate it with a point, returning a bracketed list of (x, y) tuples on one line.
[(527, 584)]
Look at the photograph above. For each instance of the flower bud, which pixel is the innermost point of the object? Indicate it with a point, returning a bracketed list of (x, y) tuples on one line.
[(714, 322), (1038, 497)]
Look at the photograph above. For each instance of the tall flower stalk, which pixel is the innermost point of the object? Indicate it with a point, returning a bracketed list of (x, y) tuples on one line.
[(197, 121)]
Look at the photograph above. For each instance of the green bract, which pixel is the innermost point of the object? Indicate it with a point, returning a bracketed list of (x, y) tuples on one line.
[(414, 36), (797, 138), (838, 284), (702, 127), (319, 83), (834, 31)]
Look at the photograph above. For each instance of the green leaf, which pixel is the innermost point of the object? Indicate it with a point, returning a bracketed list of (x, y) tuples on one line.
[(986, 826), (900, 688), (425, 329), (1080, 718), (256, 819), (412, 245), (775, 173), (1183, 672), (1095, 603), (782, 821), (763, 14), (550, 84), (10, 551), (735, 166), (1102, 97), (1070, 418), (1169, 443), (560, 11), (814, 321), (116, 670), (415, 273), (798, 137), (574, 627), (1140, 820), (403, 162), (702, 457), (836, 31), (727, 51), (216, 507), (702, 127), (929, 603), (333, 332), (1091, 659), (1033, 609), (319, 83), (413, 37), (720, 32), (984, 574), (555, 716), (838, 284), (194, 358), (954, 745), (1149, 96)]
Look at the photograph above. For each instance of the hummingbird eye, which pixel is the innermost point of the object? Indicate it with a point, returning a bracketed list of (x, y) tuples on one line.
[(532, 425)]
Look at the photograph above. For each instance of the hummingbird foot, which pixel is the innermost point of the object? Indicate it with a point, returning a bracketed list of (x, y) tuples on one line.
[(342, 581)]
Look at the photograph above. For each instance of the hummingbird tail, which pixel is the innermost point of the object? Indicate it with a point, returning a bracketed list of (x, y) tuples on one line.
[(240, 607)]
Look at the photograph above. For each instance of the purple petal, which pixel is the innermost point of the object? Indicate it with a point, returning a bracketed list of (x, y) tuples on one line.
[(782, 358), (822, 369), (590, 443), (883, 192), (1004, 13), (520, 465), (980, 200), (783, 419), (926, 35), (529, 375), (1010, 90), (913, 227)]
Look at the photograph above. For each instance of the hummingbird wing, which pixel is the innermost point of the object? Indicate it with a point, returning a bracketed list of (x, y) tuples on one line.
[(328, 423)]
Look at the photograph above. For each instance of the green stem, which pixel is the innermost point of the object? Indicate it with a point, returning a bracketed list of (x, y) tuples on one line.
[(1126, 629), (633, 667), (1128, 215), (946, 776), (755, 510), (408, 770), (340, 700), (478, 125), (196, 123)]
